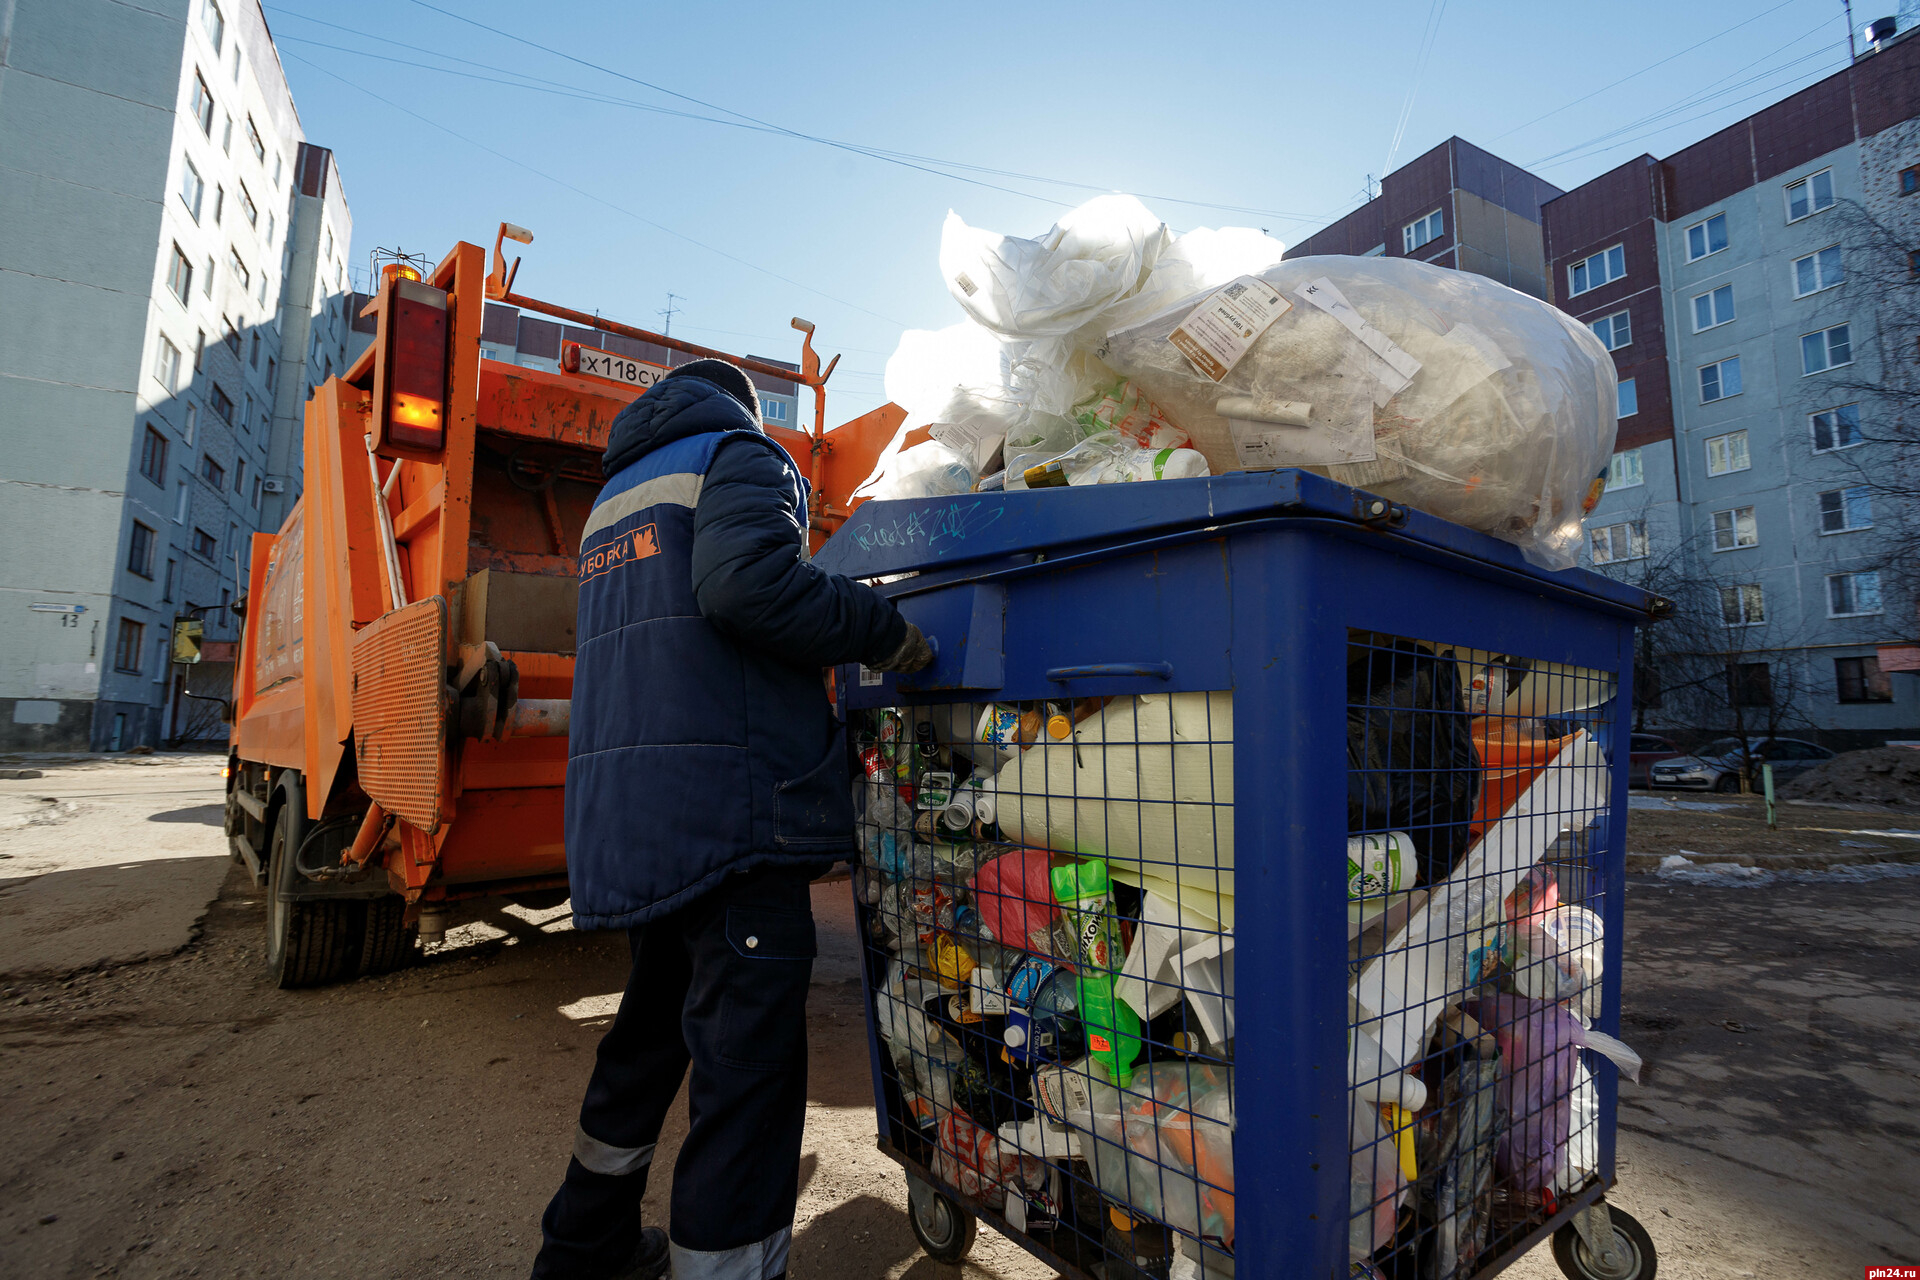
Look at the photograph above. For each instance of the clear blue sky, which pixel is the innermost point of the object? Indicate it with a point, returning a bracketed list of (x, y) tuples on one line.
[(1285, 109)]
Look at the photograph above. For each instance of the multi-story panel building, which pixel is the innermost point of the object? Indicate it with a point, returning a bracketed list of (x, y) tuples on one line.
[(507, 335), (1456, 206), (1739, 284), (172, 251)]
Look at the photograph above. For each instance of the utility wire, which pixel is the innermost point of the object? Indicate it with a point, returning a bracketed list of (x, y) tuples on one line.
[(924, 164), (599, 200), (1725, 31)]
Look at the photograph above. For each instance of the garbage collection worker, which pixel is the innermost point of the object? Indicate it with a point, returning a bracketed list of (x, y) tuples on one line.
[(706, 787)]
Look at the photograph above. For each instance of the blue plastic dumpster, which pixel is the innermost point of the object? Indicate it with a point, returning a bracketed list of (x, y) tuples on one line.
[(1242, 884)]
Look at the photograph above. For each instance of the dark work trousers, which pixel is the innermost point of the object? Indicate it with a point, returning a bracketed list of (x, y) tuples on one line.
[(720, 984)]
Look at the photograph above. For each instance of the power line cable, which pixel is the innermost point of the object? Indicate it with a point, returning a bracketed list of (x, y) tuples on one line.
[(599, 200), (1725, 31), (903, 158)]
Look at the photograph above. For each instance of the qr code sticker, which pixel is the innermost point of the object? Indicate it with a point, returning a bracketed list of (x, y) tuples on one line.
[(1236, 289)]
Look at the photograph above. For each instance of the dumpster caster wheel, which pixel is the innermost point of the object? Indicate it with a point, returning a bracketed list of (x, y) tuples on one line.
[(943, 1228), (1579, 1253)]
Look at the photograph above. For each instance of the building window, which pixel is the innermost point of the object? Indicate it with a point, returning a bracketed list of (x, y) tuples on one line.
[(1910, 180), (212, 472), (1852, 595), (253, 350), (1743, 606), (1861, 680), (240, 272), (1735, 529), (1720, 380), (1836, 428), (180, 502), (253, 140), (231, 337), (256, 493), (1727, 453), (246, 412), (204, 545), (773, 410), (215, 23), (226, 137), (1602, 268), (153, 456), (140, 551), (221, 403), (263, 288), (202, 104), (166, 367), (1613, 543), (1827, 349), (1844, 510), (273, 373), (1624, 471), (1424, 231), (193, 416), (180, 276), (269, 235), (1913, 262), (166, 589), (1706, 237), (219, 203), (207, 288), (1818, 271), (1749, 684), (1711, 310), (1614, 331), (1626, 399), (192, 187), (127, 647), (1809, 195), (247, 207)]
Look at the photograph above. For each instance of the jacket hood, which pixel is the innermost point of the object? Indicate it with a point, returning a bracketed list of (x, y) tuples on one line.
[(672, 409)]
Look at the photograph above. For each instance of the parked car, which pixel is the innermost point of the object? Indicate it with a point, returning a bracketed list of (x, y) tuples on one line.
[(1643, 751), (1718, 765)]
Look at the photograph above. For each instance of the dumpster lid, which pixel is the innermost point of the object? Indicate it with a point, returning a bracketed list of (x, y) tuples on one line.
[(936, 535)]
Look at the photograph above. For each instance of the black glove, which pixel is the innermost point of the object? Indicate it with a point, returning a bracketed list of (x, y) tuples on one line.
[(914, 654)]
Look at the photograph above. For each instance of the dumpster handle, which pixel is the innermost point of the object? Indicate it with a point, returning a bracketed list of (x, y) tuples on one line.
[(1099, 670)]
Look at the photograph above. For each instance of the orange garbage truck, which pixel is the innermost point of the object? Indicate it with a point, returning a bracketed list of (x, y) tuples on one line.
[(402, 689)]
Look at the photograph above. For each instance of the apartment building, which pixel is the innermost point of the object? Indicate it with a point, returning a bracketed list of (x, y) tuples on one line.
[(1758, 308), (506, 334), (170, 279), (1456, 206)]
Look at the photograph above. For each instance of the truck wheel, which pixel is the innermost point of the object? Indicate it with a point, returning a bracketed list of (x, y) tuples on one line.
[(388, 943), (308, 943)]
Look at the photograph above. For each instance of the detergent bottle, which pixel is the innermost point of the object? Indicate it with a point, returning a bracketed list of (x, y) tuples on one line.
[(1112, 1029)]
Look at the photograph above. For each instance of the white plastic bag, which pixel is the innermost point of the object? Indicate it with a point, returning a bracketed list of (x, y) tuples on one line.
[(1437, 388)]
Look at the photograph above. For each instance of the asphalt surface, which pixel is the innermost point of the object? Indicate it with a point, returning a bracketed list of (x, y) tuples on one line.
[(174, 1115)]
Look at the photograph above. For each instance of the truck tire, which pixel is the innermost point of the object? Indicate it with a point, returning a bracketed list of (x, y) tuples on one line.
[(388, 941), (308, 943)]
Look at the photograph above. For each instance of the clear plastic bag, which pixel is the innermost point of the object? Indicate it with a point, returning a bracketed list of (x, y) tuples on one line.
[(1437, 388), (1111, 458)]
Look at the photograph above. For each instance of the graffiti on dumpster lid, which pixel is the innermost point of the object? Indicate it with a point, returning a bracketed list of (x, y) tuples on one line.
[(939, 529)]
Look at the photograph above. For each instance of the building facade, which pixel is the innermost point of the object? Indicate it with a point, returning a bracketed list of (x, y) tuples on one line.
[(506, 334), (1758, 306), (170, 277), (1456, 206)]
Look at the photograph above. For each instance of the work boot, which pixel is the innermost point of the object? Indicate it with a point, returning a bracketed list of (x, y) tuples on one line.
[(651, 1257)]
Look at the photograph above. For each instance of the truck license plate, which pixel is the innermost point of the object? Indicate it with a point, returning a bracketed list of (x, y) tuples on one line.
[(617, 368)]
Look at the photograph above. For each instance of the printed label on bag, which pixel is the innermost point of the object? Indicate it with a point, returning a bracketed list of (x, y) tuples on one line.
[(1395, 368), (870, 677), (965, 284), (1218, 332)]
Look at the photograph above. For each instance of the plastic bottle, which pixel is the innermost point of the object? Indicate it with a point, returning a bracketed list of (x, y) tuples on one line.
[(1112, 1028), (1043, 1022), (1109, 458)]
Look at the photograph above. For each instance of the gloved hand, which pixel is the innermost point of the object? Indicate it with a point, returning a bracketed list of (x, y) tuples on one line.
[(914, 654)]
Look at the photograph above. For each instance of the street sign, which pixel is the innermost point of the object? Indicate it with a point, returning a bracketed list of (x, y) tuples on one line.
[(42, 606)]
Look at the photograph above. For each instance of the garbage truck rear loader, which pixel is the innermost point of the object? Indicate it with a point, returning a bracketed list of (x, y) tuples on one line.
[(402, 696)]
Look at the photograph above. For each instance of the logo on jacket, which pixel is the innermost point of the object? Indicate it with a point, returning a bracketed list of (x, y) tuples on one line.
[(625, 549)]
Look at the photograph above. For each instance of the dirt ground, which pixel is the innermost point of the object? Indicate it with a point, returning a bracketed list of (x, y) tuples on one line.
[(179, 1117), (1733, 828)]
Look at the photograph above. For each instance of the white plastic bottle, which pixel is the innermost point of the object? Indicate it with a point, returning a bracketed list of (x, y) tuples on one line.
[(1109, 458)]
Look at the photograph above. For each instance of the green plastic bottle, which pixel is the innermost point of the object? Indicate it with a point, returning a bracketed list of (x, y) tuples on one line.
[(1113, 1029)]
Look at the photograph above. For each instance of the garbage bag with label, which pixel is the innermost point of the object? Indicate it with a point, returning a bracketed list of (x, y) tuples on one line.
[(1434, 387)]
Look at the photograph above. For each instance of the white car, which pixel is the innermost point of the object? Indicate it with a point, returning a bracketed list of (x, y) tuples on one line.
[(1718, 765)]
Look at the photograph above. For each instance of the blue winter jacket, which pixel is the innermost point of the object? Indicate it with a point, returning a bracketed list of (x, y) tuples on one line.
[(702, 740)]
